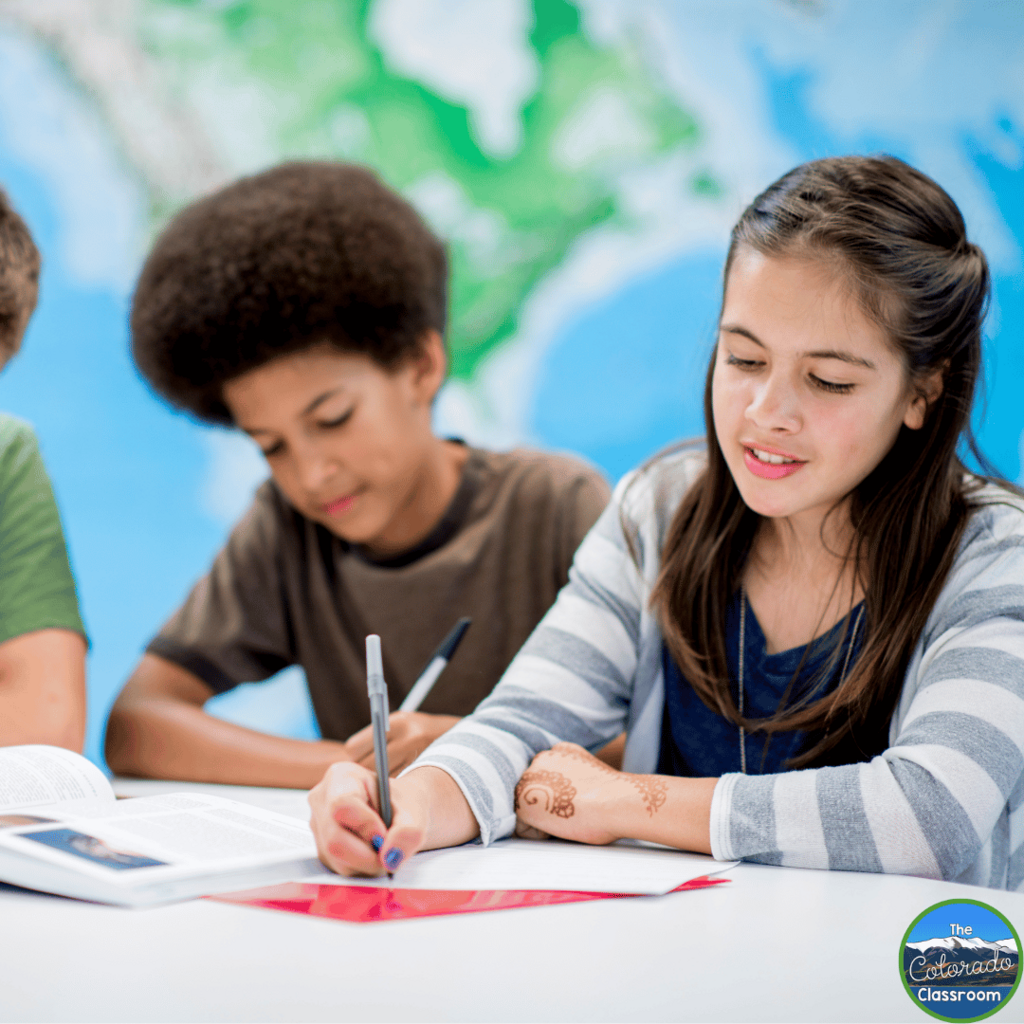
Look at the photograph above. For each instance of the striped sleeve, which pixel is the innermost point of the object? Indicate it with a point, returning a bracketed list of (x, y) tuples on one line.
[(947, 792), (571, 681)]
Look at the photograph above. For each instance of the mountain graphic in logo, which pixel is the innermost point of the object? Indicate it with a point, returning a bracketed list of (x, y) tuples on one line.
[(961, 961)]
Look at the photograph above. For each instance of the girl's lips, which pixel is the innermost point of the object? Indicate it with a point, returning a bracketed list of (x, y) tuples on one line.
[(341, 506), (769, 470)]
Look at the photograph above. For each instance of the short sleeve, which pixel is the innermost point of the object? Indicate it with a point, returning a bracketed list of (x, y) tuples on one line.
[(235, 625), (37, 589)]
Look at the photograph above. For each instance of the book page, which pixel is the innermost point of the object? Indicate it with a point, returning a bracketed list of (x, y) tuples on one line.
[(181, 832), (201, 829), (544, 865), (41, 776), (291, 802)]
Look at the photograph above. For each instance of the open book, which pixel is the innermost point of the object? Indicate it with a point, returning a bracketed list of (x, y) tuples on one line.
[(62, 830)]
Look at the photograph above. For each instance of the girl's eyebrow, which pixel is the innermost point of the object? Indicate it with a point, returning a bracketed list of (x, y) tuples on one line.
[(824, 353)]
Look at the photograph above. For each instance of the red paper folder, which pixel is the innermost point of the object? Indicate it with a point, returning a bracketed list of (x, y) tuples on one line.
[(363, 904)]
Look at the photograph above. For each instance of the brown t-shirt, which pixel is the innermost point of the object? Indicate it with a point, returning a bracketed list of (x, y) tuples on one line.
[(285, 591)]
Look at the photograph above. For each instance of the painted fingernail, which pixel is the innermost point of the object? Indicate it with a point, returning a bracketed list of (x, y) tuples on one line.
[(393, 858), (377, 842)]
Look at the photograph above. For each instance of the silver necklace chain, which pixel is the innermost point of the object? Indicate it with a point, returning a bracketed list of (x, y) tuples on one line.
[(743, 638)]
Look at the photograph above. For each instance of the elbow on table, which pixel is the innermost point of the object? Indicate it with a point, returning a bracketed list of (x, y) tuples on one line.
[(942, 866), (957, 861), (123, 743), (943, 852), (910, 862), (930, 827)]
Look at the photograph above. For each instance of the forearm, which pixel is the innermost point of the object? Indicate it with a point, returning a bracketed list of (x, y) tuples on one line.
[(170, 739), (569, 793), (667, 810), (449, 819)]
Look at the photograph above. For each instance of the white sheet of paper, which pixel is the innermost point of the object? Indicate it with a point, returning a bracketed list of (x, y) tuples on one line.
[(544, 865)]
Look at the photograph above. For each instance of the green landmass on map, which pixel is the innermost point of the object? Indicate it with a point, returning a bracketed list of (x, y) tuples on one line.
[(332, 95)]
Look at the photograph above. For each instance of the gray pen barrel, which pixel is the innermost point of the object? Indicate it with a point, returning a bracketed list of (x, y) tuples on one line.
[(380, 753)]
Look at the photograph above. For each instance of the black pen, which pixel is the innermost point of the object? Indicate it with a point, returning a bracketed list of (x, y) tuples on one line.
[(435, 667), (377, 690)]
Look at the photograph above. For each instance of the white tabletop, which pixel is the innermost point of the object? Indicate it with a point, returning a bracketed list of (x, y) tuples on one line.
[(775, 944)]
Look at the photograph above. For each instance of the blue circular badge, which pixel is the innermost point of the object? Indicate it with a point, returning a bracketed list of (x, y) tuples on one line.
[(959, 960)]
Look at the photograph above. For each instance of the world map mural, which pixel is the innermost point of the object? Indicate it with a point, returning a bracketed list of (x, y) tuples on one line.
[(584, 162)]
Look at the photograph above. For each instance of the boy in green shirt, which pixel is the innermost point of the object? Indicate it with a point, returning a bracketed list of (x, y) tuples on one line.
[(42, 640), (306, 306)]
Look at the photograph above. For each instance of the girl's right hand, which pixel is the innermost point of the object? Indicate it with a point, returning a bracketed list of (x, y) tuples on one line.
[(351, 838)]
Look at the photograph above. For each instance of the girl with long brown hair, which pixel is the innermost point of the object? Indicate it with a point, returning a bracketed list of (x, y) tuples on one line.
[(811, 626)]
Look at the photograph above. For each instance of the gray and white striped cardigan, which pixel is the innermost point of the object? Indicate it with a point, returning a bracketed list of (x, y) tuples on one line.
[(943, 801)]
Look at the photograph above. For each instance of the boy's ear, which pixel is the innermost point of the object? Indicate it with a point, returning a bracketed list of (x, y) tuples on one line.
[(926, 391), (430, 365)]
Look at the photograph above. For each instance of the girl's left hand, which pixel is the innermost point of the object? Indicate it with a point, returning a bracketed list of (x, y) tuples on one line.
[(568, 793)]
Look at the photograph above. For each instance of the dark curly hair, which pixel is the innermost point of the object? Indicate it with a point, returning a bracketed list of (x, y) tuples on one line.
[(299, 255), (19, 278)]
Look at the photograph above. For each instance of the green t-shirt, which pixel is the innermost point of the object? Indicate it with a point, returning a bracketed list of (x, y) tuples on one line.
[(37, 590)]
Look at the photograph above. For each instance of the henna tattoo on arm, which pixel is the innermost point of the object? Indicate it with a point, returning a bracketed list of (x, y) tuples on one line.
[(565, 750), (653, 789), (553, 788)]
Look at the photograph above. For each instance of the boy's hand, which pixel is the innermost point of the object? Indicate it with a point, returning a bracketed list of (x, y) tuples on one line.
[(350, 837), (569, 793), (410, 734)]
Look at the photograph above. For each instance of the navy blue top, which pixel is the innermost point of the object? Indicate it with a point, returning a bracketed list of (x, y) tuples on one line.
[(699, 742)]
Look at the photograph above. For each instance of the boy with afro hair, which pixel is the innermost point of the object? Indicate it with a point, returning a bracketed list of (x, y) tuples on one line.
[(306, 306), (42, 640)]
